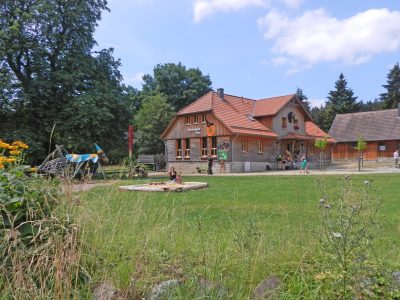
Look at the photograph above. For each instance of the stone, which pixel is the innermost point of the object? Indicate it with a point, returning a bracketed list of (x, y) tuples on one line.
[(396, 278), (267, 288), (158, 291), (104, 291)]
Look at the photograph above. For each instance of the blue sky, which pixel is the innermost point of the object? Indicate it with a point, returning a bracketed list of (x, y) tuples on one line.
[(259, 48)]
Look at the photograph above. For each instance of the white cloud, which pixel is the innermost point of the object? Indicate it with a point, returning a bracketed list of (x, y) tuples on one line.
[(317, 37), (204, 8), (292, 3), (316, 102)]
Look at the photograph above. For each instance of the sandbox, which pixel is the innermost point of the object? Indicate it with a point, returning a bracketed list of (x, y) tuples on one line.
[(165, 187)]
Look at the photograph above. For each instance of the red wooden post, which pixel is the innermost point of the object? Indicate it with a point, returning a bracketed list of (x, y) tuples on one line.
[(130, 140)]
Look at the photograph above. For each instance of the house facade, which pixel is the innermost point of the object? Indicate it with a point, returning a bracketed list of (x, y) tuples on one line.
[(380, 129), (246, 134)]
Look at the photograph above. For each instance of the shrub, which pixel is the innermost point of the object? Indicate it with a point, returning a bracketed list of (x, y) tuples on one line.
[(39, 246)]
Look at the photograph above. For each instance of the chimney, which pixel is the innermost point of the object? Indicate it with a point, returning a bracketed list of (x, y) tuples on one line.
[(220, 93)]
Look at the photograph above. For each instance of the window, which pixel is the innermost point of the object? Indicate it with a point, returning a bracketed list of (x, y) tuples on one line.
[(245, 145), (195, 119), (187, 149), (284, 122), (178, 148), (296, 124), (203, 118), (260, 146), (187, 120), (214, 146), (204, 151)]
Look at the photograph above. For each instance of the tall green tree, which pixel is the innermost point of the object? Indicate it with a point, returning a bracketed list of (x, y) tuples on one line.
[(392, 95), (303, 98), (56, 78), (341, 100), (151, 120), (179, 84)]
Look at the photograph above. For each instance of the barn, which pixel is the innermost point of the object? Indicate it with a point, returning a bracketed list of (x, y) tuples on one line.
[(380, 129)]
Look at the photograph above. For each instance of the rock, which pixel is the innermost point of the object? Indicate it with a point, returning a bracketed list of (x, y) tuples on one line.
[(267, 288), (396, 278), (159, 290), (104, 291)]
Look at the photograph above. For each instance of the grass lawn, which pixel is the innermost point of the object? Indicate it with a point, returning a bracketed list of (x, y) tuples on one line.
[(235, 233)]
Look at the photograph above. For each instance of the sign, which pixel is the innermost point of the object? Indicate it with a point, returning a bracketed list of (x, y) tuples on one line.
[(130, 140), (196, 130), (210, 130), (382, 147), (222, 154)]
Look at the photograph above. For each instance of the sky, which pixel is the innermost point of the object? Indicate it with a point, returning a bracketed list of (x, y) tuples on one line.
[(259, 48)]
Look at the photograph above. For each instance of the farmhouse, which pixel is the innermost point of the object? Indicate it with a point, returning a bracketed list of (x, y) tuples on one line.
[(239, 134), (380, 129)]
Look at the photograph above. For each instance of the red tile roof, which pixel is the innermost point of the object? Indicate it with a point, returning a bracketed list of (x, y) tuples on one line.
[(313, 130), (237, 113), (270, 106), (296, 136)]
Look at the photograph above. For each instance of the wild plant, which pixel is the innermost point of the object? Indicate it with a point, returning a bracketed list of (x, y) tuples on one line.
[(349, 220), (39, 242)]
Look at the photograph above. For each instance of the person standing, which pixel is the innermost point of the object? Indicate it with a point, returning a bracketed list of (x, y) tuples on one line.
[(210, 164), (303, 166), (396, 157)]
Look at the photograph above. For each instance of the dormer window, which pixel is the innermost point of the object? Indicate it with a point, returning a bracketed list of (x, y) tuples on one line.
[(284, 122)]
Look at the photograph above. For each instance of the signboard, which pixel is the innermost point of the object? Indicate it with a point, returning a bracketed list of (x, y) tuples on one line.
[(196, 130), (382, 147), (222, 154)]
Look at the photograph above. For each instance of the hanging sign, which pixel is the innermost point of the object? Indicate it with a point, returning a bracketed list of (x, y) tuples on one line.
[(222, 154)]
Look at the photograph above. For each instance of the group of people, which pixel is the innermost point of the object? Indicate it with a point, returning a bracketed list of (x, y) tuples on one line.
[(174, 177), (289, 162)]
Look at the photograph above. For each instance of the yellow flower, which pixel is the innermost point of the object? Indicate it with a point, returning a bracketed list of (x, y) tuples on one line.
[(20, 144), (15, 152), (4, 145), (10, 160), (1, 166)]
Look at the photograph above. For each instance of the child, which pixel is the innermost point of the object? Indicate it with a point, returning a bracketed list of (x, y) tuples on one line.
[(303, 167)]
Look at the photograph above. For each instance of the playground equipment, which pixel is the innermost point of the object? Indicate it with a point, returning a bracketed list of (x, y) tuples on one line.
[(60, 163)]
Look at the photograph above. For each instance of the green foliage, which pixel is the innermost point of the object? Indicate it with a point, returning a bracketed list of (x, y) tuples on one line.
[(361, 144), (303, 98), (180, 85), (39, 247), (151, 120), (348, 227), (392, 95), (321, 143), (53, 77)]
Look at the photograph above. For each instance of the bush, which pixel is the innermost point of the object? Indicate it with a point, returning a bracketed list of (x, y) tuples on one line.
[(39, 246)]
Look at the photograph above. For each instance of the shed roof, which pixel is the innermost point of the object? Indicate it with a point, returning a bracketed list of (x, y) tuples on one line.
[(372, 126)]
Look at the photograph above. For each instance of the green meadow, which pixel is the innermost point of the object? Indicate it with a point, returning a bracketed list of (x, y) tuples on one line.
[(233, 234)]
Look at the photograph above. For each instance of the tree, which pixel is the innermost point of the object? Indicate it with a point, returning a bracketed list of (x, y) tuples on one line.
[(341, 100), (151, 120), (180, 85), (392, 96), (321, 117), (55, 78), (321, 145), (361, 146), (303, 98), (372, 105)]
